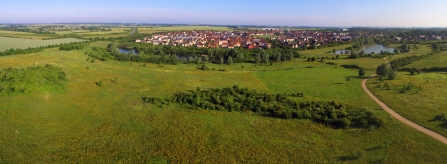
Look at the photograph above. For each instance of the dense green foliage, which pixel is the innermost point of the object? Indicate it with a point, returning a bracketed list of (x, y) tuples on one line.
[(33, 79), (436, 47), (170, 54), (382, 70), (362, 72), (285, 106), (404, 48), (20, 51), (73, 46)]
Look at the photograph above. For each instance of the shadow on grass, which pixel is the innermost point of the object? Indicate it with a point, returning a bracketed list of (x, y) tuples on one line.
[(348, 158), (356, 77), (340, 83)]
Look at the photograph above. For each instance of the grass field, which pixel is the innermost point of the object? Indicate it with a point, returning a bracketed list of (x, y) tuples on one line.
[(420, 106), (437, 60), (8, 43), (110, 124)]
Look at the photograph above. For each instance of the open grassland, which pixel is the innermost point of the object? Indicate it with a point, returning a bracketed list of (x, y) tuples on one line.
[(110, 124), (8, 43), (323, 83), (418, 105), (437, 60)]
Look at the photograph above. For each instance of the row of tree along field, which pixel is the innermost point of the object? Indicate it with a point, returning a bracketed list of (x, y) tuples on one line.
[(286, 106), (62, 46)]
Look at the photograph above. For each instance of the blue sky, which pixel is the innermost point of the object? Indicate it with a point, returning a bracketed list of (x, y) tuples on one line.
[(395, 13)]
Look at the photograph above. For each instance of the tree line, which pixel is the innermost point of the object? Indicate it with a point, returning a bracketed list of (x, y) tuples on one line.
[(285, 106), (73, 46), (400, 62), (169, 54), (63, 46)]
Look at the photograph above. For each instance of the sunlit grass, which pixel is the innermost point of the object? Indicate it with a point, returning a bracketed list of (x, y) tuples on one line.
[(110, 124), (419, 105)]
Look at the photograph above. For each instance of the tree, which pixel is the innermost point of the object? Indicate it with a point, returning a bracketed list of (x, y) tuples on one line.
[(230, 60), (221, 60), (382, 70), (278, 58), (361, 72), (333, 51), (257, 58), (337, 57), (361, 53), (392, 74), (348, 79)]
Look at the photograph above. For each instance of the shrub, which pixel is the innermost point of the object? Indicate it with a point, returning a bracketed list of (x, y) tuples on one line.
[(98, 83), (362, 72), (392, 75)]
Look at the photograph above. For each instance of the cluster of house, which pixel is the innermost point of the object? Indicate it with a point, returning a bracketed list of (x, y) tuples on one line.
[(421, 38), (247, 39)]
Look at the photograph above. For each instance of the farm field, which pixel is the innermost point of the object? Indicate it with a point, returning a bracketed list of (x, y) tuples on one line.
[(110, 124), (14, 32), (8, 43), (150, 30)]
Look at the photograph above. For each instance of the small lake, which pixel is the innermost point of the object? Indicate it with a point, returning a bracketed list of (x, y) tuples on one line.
[(128, 51), (376, 48)]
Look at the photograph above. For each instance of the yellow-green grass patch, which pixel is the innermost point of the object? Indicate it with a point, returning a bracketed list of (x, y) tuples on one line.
[(8, 43)]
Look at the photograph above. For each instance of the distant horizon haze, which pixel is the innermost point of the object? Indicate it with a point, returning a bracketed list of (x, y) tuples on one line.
[(323, 13)]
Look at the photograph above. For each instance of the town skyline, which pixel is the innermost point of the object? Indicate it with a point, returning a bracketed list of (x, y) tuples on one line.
[(342, 13)]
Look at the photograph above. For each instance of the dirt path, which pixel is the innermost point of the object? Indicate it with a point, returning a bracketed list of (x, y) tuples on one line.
[(399, 117)]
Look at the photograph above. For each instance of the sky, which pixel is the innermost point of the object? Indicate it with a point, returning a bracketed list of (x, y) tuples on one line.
[(327, 13)]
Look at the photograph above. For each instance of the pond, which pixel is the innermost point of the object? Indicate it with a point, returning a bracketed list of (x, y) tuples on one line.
[(376, 48), (126, 51)]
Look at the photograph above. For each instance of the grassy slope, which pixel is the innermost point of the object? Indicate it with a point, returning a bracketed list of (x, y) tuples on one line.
[(437, 60), (14, 43), (90, 124)]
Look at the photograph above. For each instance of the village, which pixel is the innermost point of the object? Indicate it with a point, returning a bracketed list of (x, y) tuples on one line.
[(249, 39)]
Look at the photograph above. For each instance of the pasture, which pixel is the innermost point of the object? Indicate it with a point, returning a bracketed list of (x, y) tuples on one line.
[(14, 43), (110, 124)]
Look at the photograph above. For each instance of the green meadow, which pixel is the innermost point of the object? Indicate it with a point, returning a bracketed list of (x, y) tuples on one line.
[(14, 43), (87, 123), (426, 97), (437, 60)]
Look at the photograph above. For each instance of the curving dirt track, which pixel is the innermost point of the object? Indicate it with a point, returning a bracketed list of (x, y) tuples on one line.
[(399, 117)]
